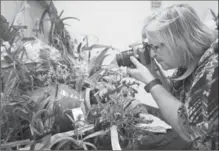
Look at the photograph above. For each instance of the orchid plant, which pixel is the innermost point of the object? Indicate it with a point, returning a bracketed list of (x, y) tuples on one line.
[(42, 85)]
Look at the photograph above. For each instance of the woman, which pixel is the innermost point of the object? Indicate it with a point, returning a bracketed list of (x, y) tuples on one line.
[(179, 39)]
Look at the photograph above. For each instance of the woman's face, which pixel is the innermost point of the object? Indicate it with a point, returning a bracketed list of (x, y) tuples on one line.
[(163, 55)]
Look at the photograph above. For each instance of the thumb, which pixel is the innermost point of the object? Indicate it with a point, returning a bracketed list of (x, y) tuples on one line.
[(135, 62)]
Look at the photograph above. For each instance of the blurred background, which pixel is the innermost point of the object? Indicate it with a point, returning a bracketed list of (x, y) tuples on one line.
[(116, 23), (119, 23)]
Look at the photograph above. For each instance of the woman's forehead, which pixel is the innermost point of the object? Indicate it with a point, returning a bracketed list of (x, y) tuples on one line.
[(153, 41)]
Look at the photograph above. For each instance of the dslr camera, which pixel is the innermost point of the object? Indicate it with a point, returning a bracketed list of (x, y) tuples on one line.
[(123, 58)]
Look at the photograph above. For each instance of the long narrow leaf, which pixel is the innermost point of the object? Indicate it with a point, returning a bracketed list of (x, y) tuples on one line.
[(96, 46), (213, 13), (84, 146), (114, 138), (69, 18), (81, 130), (64, 138), (102, 132), (87, 98), (61, 14), (61, 144), (45, 141), (41, 27), (89, 144), (98, 61)]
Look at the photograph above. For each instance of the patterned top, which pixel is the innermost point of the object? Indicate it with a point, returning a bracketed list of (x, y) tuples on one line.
[(199, 93)]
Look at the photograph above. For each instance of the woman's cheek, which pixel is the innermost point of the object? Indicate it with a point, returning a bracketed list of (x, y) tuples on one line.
[(152, 54), (164, 65)]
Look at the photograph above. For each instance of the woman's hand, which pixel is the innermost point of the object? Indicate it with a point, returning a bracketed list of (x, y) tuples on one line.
[(140, 73)]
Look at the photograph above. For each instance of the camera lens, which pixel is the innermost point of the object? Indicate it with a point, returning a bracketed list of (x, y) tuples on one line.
[(123, 58)]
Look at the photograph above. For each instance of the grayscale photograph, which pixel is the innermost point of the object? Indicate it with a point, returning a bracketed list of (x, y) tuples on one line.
[(109, 75)]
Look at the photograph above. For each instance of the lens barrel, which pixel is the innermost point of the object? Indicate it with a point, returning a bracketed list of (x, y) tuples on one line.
[(123, 58)]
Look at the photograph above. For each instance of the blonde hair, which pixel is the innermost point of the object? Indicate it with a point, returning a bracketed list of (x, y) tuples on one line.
[(181, 30)]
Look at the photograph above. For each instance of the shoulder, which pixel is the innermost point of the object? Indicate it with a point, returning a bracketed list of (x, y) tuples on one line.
[(208, 63), (202, 94), (201, 102), (210, 53), (202, 97), (207, 69)]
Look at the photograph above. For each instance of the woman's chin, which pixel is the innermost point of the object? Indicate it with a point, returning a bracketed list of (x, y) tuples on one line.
[(165, 67)]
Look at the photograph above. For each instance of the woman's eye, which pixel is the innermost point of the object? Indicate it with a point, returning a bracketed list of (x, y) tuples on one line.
[(155, 48), (160, 45)]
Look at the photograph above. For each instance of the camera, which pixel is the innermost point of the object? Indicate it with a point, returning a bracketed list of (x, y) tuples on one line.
[(123, 58)]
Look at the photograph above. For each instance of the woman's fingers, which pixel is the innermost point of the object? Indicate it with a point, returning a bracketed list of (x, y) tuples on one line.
[(135, 62), (130, 71), (128, 80)]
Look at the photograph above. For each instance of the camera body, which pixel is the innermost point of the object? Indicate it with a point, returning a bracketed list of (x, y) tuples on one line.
[(123, 58)]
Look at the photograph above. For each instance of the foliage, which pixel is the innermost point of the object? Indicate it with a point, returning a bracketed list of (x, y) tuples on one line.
[(41, 86)]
